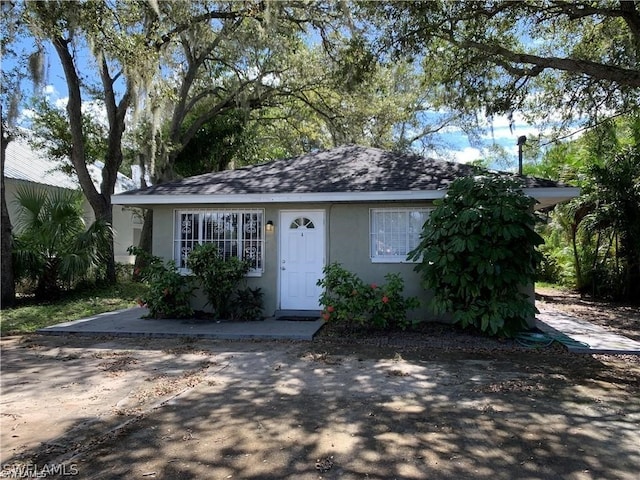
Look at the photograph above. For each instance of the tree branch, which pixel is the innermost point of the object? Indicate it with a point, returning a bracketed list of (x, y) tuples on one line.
[(183, 27), (622, 76)]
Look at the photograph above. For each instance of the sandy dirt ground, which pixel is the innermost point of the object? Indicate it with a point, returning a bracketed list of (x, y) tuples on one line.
[(438, 405)]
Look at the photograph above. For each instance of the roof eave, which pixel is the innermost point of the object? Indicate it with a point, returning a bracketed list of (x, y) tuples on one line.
[(547, 196), (245, 198)]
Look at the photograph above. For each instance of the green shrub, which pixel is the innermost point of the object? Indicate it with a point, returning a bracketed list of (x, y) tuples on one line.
[(548, 270), (247, 304), (124, 272), (218, 276), (170, 292), (53, 250), (348, 300), (477, 251)]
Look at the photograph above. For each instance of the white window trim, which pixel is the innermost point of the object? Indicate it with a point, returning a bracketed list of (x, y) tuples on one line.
[(390, 258), (176, 240)]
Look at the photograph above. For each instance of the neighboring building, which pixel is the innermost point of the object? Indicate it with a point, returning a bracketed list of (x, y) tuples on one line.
[(361, 207), (25, 165)]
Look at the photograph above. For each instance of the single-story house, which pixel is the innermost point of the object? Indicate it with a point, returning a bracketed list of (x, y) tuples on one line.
[(28, 166), (361, 207)]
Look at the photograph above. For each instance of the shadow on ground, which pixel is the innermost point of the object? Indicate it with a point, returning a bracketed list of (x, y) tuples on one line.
[(258, 410)]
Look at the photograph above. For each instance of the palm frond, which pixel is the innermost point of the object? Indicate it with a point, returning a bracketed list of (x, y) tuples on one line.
[(30, 202), (73, 266), (53, 246), (96, 241)]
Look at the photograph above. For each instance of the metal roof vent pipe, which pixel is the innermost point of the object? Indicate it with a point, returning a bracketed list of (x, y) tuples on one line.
[(521, 141)]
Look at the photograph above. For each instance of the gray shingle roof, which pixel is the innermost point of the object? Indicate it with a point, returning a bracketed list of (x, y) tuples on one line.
[(342, 169)]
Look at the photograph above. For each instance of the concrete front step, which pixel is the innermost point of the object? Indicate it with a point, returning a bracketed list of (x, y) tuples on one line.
[(129, 323), (297, 314)]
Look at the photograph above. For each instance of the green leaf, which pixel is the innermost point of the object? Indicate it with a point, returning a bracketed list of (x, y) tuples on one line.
[(475, 274)]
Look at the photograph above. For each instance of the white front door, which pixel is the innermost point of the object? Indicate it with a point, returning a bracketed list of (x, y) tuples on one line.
[(302, 241)]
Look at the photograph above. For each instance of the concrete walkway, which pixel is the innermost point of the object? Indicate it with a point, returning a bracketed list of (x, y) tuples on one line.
[(580, 336), (129, 323)]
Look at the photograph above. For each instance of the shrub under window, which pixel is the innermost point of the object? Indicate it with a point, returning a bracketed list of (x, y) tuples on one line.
[(235, 233)]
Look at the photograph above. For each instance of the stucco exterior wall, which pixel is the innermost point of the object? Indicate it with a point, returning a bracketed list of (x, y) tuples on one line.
[(127, 226), (347, 240), (349, 245), (163, 246)]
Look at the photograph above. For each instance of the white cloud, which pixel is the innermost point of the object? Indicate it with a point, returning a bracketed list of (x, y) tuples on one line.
[(50, 90), (466, 155), (25, 117), (97, 110), (94, 108), (500, 131), (61, 102)]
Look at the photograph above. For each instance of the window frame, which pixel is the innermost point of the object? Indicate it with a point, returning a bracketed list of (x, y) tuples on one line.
[(373, 235), (201, 212)]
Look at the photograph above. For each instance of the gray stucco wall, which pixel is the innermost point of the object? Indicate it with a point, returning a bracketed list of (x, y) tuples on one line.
[(349, 245), (347, 242)]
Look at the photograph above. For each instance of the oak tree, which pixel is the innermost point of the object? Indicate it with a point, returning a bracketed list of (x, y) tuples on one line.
[(577, 59)]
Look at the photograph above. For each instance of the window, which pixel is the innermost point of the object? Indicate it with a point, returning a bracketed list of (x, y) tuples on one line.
[(236, 233), (301, 222), (395, 232)]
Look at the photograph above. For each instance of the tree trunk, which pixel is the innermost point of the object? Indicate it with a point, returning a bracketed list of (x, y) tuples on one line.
[(146, 239), (103, 211), (116, 114), (100, 201), (631, 289), (6, 281), (576, 256)]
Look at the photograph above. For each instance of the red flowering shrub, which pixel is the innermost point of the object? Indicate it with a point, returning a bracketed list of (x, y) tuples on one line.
[(347, 299)]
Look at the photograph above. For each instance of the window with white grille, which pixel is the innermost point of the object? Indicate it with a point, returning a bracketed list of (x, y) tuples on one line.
[(236, 233), (395, 232)]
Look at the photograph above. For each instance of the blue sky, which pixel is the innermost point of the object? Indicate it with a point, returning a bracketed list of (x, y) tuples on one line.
[(498, 133)]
